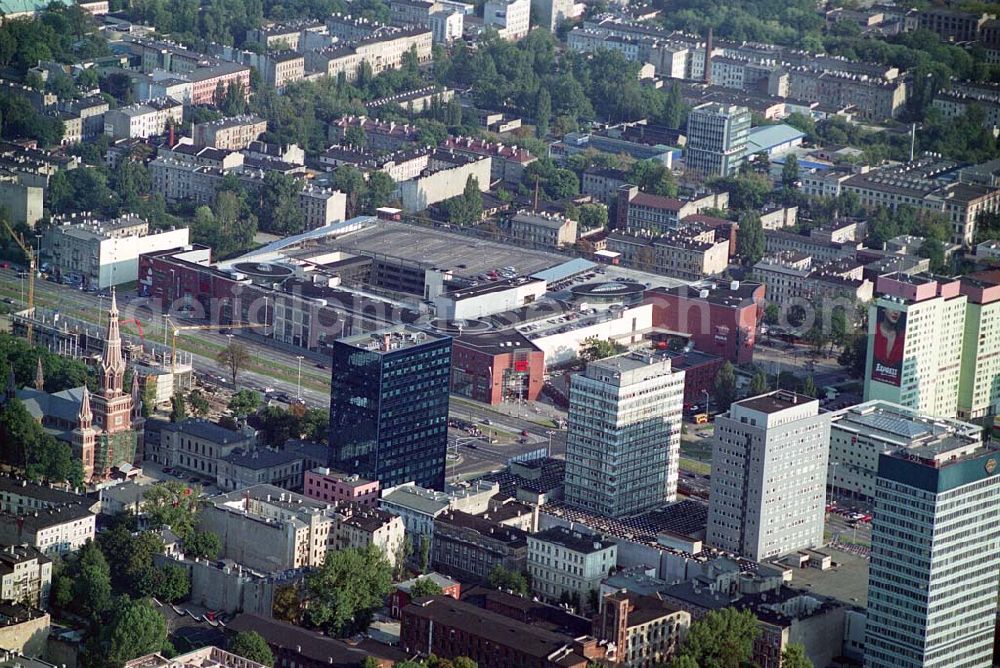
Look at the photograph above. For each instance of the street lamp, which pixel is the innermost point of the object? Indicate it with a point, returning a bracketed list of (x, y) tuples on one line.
[(298, 386), (705, 392)]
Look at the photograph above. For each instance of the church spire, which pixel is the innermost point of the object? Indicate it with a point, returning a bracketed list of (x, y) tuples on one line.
[(136, 396), (39, 376), (85, 416), (113, 362)]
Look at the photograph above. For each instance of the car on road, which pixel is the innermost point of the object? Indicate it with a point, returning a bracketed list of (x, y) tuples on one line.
[(524, 432), (487, 421)]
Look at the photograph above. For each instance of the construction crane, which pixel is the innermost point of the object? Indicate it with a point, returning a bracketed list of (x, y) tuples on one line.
[(142, 334), (185, 328), (32, 256)]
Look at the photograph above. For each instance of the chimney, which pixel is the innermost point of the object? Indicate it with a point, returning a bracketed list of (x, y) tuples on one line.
[(708, 58)]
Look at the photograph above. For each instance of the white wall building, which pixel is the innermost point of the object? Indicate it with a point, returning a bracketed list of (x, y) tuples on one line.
[(769, 463), (143, 120), (626, 326), (106, 252), (563, 561), (510, 18), (623, 443)]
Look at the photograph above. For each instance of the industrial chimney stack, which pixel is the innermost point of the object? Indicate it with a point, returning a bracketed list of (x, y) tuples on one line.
[(708, 58)]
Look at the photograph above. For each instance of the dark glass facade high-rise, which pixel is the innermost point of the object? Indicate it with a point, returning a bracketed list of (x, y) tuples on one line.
[(389, 406)]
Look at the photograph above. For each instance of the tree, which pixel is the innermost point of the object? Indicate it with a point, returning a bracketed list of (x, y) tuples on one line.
[(725, 386), (178, 408), (287, 605), (251, 645), (279, 206), (203, 545), (772, 312), (790, 172), (381, 188), (148, 399), (425, 555), (92, 584), (794, 656), (543, 112), (721, 639), (809, 387), (593, 216), (758, 384), (174, 504), (425, 586), (244, 402), (234, 358), (199, 404), (594, 349), (750, 239), (347, 589), (135, 630), (933, 250), (501, 578), (652, 176), (854, 354), (169, 583)]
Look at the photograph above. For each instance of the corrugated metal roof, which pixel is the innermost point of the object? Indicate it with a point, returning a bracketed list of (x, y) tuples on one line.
[(565, 270), (766, 137)]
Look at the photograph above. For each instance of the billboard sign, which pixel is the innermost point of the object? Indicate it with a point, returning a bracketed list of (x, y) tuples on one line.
[(890, 337)]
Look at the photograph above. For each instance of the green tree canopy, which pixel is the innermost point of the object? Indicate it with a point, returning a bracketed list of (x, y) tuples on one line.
[(721, 639), (135, 630), (725, 386), (425, 586), (347, 589), (251, 645)]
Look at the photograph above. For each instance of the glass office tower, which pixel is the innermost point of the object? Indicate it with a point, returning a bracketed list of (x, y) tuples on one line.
[(389, 406)]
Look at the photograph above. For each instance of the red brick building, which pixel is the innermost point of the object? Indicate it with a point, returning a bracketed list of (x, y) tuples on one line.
[(496, 366), (449, 629), (720, 321), (400, 596), (699, 370)]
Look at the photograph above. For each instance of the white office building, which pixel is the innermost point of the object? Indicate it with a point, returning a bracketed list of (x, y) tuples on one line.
[(623, 444), (510, 18), (769, 462), (935, 558), (859, 434)]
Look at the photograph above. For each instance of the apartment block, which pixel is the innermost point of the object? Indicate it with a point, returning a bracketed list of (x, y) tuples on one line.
[(567, 564), (445, 177), (25, 576), (691, 252), (979, 386), (540, 230), (144, 120), (507, 161), (645, 629), (269, 529), (229, 134), (639, 210), (324, 484), (102, 252), (768, 488), (469, 547), (922, 184), (916, 333), (358, 526)]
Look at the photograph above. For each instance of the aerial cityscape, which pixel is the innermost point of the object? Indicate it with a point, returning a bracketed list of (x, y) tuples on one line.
[(499, 334)]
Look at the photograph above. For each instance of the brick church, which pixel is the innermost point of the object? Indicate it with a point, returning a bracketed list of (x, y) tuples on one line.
[(105, 428)]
